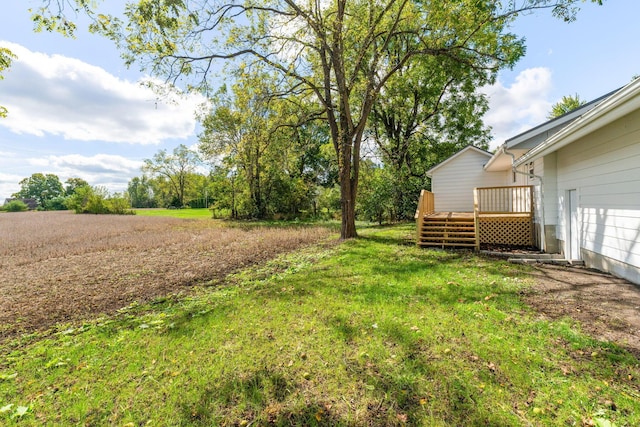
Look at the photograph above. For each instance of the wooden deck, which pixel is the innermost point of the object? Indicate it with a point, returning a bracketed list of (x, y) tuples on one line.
[(448, 229), (454, 216), (502, 215)]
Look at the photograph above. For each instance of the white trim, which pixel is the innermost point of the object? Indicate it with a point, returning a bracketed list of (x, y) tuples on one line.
[(561, 121), (618, 105), (449, 159)]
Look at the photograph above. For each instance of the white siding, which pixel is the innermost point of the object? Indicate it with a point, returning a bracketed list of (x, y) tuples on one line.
[(453, 183), (550, 189), (604, 169)]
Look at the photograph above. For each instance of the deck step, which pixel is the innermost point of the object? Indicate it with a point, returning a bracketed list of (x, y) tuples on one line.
[(447, 231)]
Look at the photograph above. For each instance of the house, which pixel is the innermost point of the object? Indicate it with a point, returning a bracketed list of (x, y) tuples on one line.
[(583, 170), (454, 179), (32, 204)]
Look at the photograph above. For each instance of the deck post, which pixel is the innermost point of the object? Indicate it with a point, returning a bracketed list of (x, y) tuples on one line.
[(419, 217), (532, 214), (476, 223), (426, 206)]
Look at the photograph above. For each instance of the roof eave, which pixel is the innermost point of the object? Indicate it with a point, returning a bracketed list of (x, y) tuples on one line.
[(567, 118), (621, 103), (453, 156)]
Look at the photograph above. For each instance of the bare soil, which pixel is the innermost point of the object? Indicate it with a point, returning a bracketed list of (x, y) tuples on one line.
[(607, 307), (57, 267)]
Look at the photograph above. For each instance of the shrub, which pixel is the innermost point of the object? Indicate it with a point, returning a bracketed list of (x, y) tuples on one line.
[(16, 206), (58, 203), (96, 200), (119, 206)]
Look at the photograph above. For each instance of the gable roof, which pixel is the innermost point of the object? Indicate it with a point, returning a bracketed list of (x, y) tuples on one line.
[(622, 102), (456, 155), (526, 141), (536, 135)]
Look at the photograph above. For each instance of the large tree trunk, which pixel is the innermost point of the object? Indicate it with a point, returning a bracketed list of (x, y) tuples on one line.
[(348, 205), (348, 171)]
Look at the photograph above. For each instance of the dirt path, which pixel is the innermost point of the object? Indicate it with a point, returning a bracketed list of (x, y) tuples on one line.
[(607, 307)]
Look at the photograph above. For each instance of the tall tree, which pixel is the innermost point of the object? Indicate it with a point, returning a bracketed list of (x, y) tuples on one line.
[(175, 167), (336, 50), (429, 110), (269, 141), (40, 187), (72, 184), (238, 132), (140, 193), (566, 104)]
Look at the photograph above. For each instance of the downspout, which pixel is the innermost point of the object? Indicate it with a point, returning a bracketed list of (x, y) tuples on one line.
[(543, 240)]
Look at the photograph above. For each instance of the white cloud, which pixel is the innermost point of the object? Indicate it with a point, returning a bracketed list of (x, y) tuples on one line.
[(113, 172), (106, 170), (54, 94), (8, 185), (522, 105)]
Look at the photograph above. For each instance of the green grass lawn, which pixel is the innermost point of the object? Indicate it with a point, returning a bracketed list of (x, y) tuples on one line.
[(371, 332), (176, 213)]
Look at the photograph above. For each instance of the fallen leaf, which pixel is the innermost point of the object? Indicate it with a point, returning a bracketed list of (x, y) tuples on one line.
[(21, 411), (8, 376)]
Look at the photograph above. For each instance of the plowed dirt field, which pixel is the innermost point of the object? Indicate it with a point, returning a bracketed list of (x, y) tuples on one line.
[(58, 266)]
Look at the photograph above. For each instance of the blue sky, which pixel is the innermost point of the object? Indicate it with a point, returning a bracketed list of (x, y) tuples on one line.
[(77, 111)]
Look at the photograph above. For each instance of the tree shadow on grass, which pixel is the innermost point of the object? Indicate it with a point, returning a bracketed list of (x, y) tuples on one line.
[(253, 392), (263, 397)]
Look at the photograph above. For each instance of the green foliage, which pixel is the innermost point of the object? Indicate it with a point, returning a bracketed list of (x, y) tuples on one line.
[(270, 156), (376, 199), (40, 187), (328, 202), (15, 206), (140, 192), (341, 56), (58, 203), (72, 184), (96, 200), (53, 16), (338, 56), (176, 169), (119, 205), (565, 105)]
